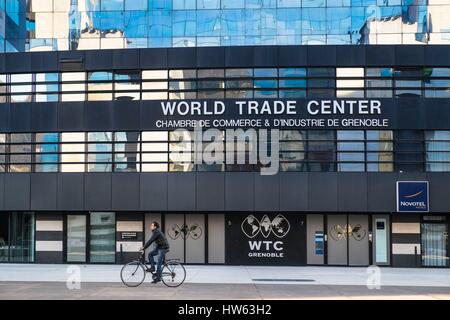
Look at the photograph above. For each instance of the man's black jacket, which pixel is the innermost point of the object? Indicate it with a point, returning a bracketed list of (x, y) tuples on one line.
[(159, 238)]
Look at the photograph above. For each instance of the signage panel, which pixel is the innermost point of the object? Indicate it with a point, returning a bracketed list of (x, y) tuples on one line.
[(412, 196)]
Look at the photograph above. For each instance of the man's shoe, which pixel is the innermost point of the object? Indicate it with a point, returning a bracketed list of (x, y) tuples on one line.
[(156, 280), (151, 269)]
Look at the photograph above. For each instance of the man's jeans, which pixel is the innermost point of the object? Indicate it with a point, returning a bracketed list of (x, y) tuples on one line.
[(162, 255)]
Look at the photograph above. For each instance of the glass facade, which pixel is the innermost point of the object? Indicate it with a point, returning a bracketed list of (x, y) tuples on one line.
[(163, 151), (17, 236), (43, 25), (232, 83)]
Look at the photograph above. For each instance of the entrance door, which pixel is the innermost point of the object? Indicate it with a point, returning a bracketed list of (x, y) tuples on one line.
[(76, 238), (348, 239), (186, 236), (380, 243), (358, 240), (337, 239), (435, 244)]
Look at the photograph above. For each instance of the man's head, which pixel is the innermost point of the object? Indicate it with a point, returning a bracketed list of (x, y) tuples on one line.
[(154, 225)]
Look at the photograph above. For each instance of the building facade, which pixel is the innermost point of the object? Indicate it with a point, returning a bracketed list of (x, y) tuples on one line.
[(96, 144)]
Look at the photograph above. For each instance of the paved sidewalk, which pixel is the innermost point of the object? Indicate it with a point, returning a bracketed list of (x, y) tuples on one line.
[(309, 276)]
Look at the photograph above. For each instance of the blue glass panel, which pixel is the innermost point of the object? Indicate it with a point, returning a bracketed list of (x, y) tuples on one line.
[(289, 21), (208, 23), (160, 23), (314, 21), (252, 22), (110, 5), (184, 23), (135, 4), (184, 4), (339, 21), (233, 22), (208, 4), (136, 24), (268, 22), (160, 4), (232, 4)]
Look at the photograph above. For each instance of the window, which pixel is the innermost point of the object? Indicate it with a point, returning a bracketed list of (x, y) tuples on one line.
[(47, 87), (292, 150), (126, 146), (3, 152), (99, 151), (21, 87), (321, 150), (210, 84), (437, 82), (409, 150), (100, 86), (154, 84), (20, 152), (47, 157), (379, 82), (408, 81), (437, 145), (321, 82), (127, 85), (72, 152), (379, 147), (154, 151), (17, 236), (350, 82), (73, 86), (350, 147), (181, 151)]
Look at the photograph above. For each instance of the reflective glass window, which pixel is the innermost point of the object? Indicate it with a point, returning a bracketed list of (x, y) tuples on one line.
[(73, 86), (127, 85), (100, 85), (47, 148), (126, 146), (99, 151), (20, 150), (21, 87), (47, 87), (437, 143), (321, 150), (72, 152), (154, 151)]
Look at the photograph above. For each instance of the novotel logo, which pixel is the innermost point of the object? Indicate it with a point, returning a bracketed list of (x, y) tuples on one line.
[(412, 196)]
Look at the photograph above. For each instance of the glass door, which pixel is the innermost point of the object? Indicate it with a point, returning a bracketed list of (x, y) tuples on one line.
[(21, 237), (380, 243), (4, 236), (435, 244), (76, 238), (102, 248)]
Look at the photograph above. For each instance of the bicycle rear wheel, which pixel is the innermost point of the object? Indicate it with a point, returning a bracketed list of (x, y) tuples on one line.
[(132, 274), (173, 274)]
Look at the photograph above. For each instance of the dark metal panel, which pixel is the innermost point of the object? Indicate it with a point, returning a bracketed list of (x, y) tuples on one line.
[(294, 191), (96, 60), (436, 55), (153, 188), (97, 191), (405, 260), (4, 117), (71, 116), (210, 193), (436, 113), (150, 112), (239, 191), (182, 58), (380, 55), (49, 236), (129, 216), (323, 191), (49, 216), (125, 191), (2, 62), (210, 57), (44, 61), (18, 62), (239, 57), (44, 116), (98, 115), (71, 191), (350, 56), (352, 191), (405, 238), (409, 113), (438, 191), (267, 192), (381, 192), (409, 55), (126, 59), (405, 217), (265, 56), (319, 56), (49, 257), (17, 191), (181, 191), (292, 56), (20, 117), (126, 115), (155, 58), (43, 191)]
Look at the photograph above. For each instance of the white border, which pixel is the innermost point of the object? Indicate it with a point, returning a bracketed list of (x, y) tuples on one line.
[(428, 195)]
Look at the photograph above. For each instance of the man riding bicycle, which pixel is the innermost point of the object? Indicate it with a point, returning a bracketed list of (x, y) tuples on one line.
[(162, 247)]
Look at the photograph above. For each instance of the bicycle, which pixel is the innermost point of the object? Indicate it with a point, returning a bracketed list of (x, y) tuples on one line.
[(133, 273)]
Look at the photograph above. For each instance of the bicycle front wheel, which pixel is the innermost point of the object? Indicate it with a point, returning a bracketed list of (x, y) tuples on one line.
[(173, 274), (132, 274)]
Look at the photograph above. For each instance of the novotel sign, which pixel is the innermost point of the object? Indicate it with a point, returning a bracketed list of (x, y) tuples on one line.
[(412, 196)]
